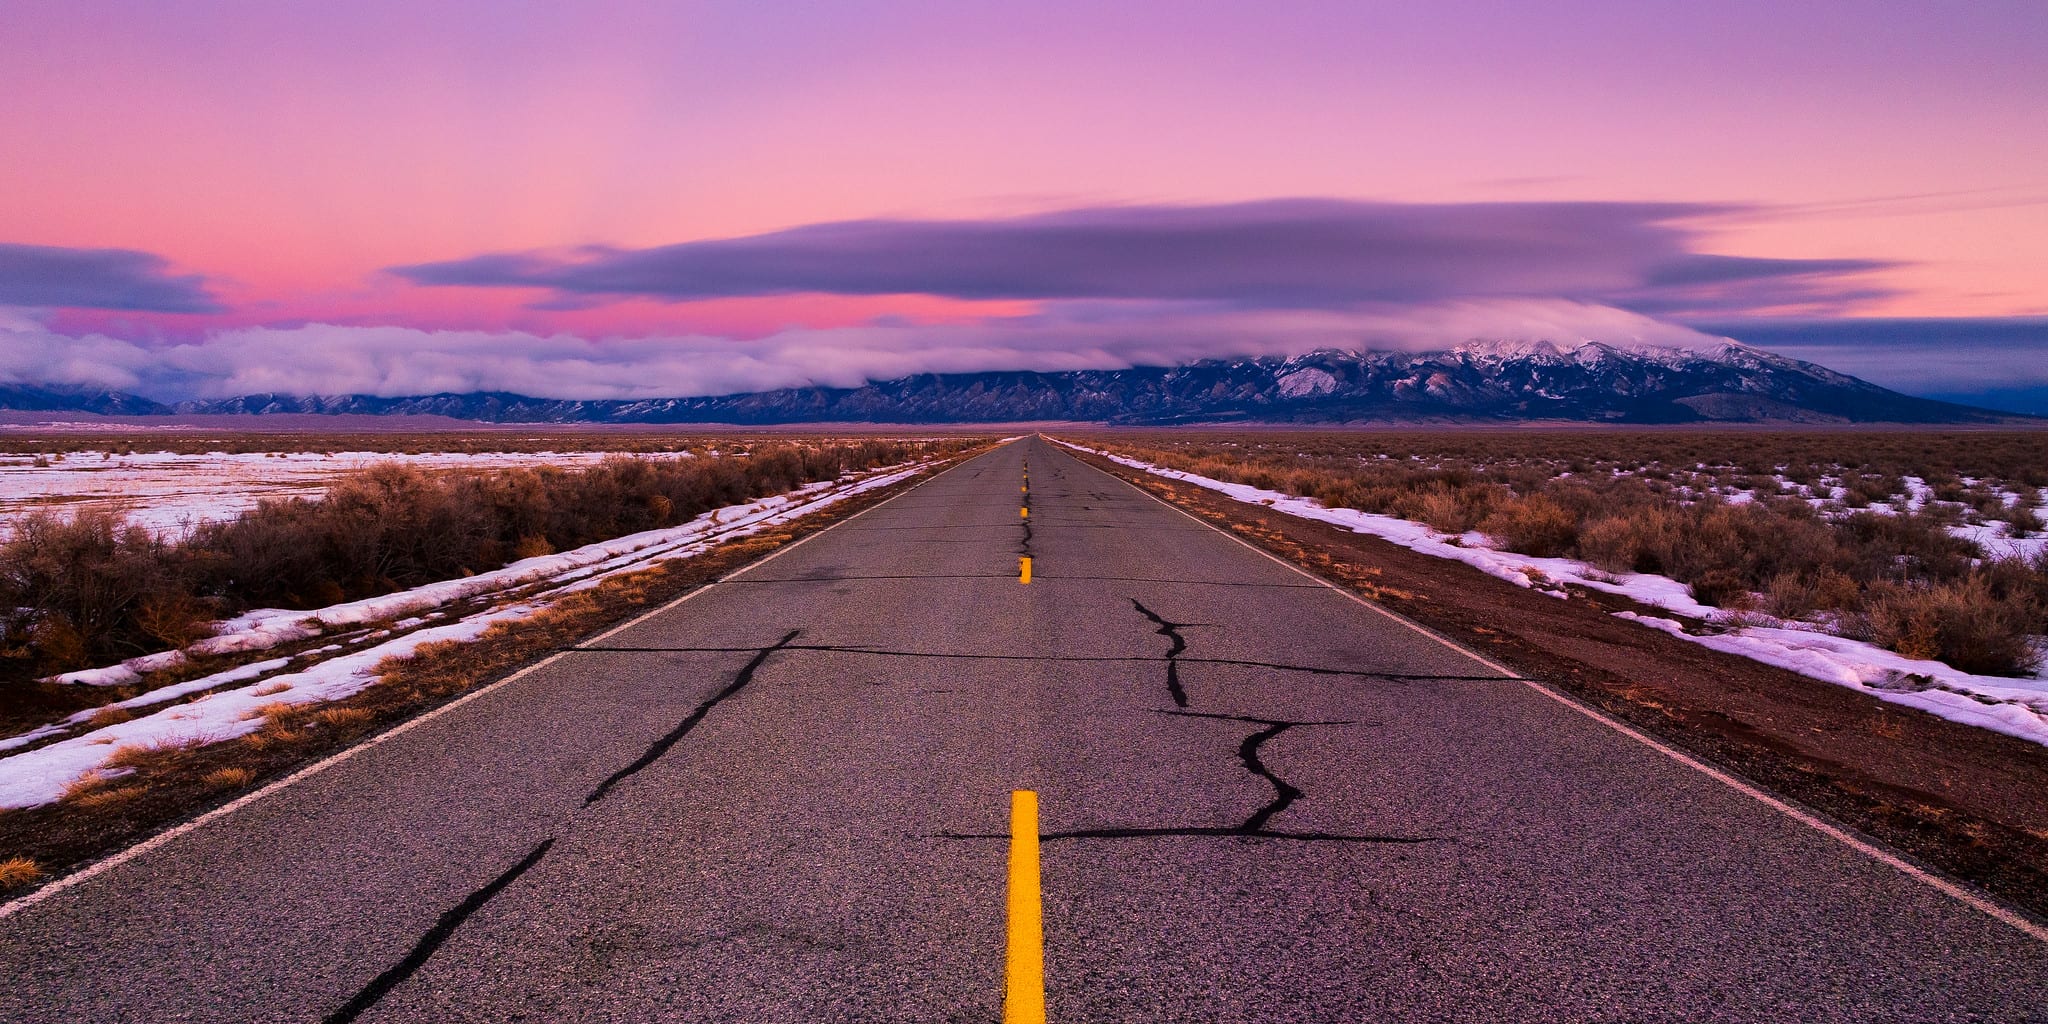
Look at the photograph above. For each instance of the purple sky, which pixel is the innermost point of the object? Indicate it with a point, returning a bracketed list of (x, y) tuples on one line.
[(970, 182)]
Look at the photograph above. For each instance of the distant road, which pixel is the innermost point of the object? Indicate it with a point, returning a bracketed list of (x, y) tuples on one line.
[(787, 797)]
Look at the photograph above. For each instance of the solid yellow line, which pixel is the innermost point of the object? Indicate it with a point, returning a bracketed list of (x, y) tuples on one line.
[(1024, 569), (1024, 989)]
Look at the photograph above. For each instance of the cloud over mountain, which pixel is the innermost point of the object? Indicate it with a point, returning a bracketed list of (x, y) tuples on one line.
[(390, 361), (1269, 254)]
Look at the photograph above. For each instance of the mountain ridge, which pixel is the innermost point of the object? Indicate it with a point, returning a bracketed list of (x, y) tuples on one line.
[(1497, 382)]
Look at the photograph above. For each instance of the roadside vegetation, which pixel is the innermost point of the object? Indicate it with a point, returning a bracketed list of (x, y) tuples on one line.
[(86, 589), (1899, 539), (153, 786), (56, 445)]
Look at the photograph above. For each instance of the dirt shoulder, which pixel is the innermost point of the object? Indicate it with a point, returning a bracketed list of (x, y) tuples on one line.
[(171, 786), (1967, 801)]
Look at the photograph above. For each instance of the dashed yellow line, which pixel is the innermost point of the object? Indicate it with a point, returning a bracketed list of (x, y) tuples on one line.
[(1024, 974), (1024, 568)]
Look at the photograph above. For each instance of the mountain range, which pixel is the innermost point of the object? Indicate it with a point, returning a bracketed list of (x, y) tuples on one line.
[(1481, 382)]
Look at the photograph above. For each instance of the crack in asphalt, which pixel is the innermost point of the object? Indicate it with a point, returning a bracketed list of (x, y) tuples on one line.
[(1284, 792), (883, 652), (1253, 827), (453, 918), (424, 949), (682, 729), (1171, 631), (1026, 550)]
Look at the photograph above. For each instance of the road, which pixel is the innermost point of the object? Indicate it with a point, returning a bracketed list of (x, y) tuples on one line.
[(786, 798)]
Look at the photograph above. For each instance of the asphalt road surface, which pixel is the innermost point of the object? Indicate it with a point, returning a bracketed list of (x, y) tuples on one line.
[(786, 799)]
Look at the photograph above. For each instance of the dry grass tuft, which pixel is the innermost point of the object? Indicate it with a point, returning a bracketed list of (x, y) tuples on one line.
[(343, 717), (110, 715), (269, 688), (99, 791), (274, 733), (16, 872), (274, 711), (228, 778), (138, 755)]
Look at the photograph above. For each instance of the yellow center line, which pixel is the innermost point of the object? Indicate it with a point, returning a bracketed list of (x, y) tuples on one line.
[(1024, 569), (1024, 976), (1024, 513)]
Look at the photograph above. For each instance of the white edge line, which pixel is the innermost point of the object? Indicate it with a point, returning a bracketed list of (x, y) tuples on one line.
[(124, 856), (1811, 820)]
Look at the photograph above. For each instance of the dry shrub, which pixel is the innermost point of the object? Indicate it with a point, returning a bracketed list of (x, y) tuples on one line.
[(1440, 508), (1637, 542), (228, 778), (173, 619), (1791, 596), (1722, 588), (1964, 624), (90, 589), (1533, 526)]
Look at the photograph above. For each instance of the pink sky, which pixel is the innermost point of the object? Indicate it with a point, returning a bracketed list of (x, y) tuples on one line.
[(288, 155)]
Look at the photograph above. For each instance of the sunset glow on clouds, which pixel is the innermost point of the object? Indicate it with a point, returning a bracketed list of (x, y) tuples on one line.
[(937, 186)]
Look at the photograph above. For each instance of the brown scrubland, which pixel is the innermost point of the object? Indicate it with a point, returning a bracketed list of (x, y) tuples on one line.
[(86, 589), (1820, 526)]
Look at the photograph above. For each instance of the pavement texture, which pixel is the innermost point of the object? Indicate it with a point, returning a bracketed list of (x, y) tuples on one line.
[(786, 799)]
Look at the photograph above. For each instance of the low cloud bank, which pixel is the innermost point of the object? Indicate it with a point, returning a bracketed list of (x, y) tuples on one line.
[(322, 359)]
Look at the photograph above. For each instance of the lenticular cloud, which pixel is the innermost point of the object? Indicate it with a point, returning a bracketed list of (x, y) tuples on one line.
[(1278, 253)]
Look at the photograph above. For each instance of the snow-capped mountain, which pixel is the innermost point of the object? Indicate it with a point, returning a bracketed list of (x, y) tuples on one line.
[(1585, 381)]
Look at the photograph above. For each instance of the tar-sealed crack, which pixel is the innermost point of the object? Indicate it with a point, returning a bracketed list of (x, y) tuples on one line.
[(1171, 631), (423, 950), (452, 919), (884, 652), (1257, 826), (682, 729)]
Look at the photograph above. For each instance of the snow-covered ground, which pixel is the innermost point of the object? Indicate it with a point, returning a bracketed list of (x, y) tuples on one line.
[(170, 492), (2017, 707), (228, 704)]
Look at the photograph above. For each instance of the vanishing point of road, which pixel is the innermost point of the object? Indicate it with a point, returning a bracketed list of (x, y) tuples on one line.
[(788, 797)]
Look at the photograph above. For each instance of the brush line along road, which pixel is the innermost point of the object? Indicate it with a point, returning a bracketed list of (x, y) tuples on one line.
[(788, 798)]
